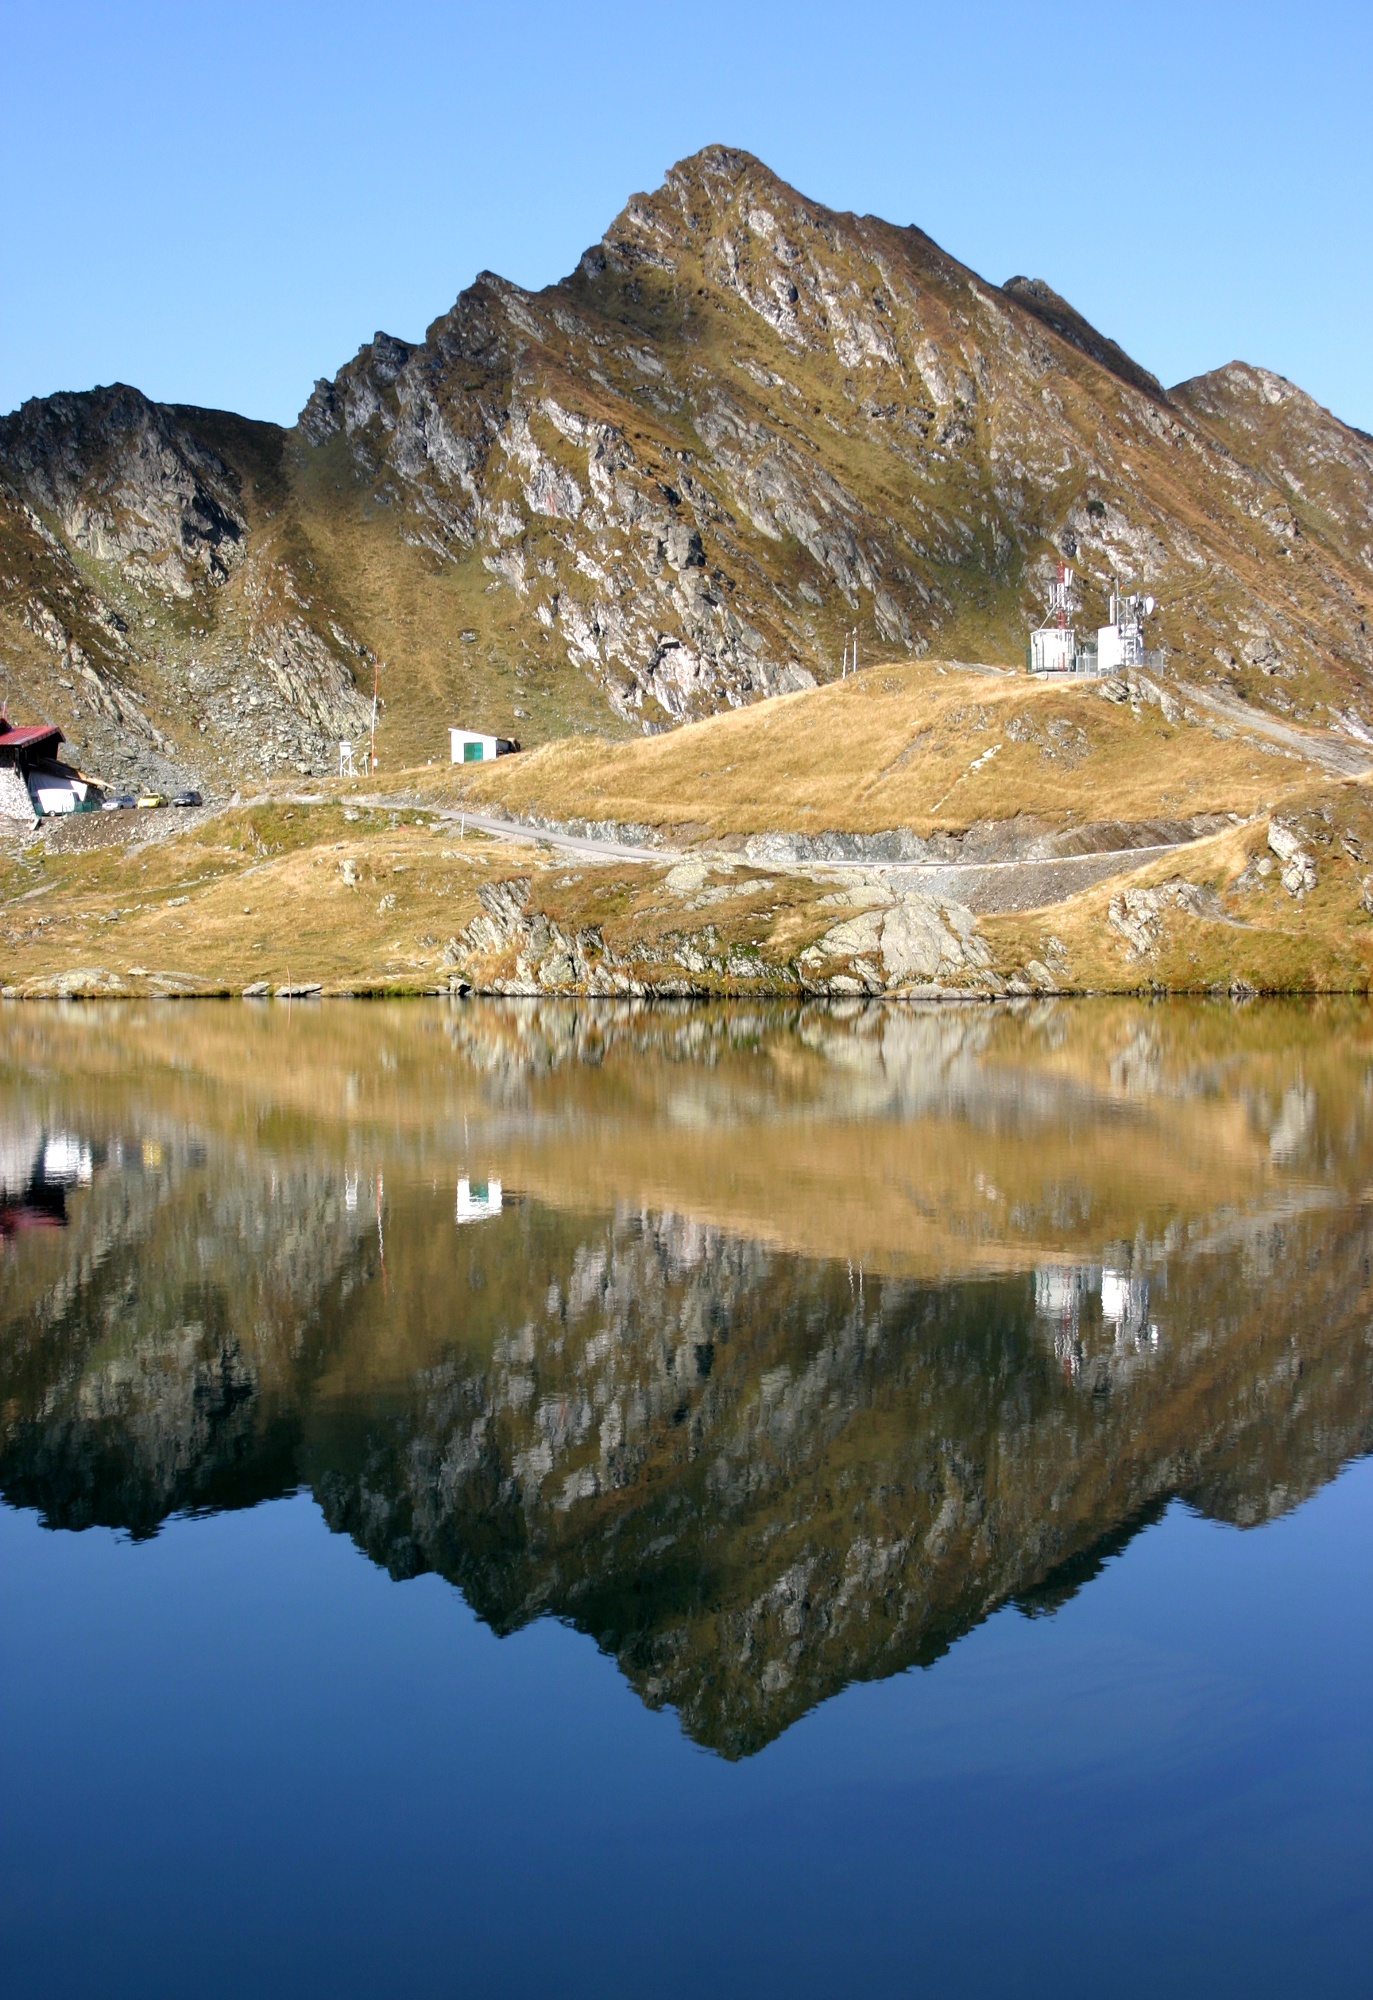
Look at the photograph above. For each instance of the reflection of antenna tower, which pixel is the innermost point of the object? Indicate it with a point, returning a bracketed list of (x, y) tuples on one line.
[(381, 1240)]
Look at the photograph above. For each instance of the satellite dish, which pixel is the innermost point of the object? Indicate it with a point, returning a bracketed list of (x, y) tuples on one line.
[(1148, 607)]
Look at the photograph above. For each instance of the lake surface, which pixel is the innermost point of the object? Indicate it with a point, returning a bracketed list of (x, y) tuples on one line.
[(521, 1498)]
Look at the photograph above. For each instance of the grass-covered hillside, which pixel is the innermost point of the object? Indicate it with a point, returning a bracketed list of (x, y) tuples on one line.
[(915, 831)]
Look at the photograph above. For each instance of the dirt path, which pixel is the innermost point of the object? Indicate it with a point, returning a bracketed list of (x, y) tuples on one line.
[(570, 843), (998, 887), (1347, 760), (987, 886)]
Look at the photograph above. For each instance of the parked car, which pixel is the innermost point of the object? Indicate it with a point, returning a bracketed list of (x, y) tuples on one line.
[(119, 802), (188, 799)]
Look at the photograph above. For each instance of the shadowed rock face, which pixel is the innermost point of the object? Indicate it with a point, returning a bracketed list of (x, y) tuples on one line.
[(753, 1472), (742, 426), (128, 483)]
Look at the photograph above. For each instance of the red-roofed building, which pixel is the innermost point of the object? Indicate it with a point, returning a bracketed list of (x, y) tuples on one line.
[(28, 741), (32, 781)]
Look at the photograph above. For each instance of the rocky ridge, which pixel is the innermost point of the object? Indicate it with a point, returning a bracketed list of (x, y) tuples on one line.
[(899, 941), (667, 485)]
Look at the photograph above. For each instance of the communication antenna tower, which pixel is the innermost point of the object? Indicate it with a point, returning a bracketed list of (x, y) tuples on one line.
[(1061, 600)]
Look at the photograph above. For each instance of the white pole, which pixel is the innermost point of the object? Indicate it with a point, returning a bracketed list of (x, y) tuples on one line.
[(372, 746)]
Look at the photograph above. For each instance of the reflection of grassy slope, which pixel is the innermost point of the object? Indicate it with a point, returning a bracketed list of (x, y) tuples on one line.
[(816, 1474), (943, 1140)]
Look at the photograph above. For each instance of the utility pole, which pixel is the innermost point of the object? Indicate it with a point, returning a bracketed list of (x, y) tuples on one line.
[(376, 669)]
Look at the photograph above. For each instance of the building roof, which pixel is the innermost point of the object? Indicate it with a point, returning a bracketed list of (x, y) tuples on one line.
[(30, 736)]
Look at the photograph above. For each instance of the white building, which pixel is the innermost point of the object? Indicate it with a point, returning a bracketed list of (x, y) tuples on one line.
[(65, 794), (1121, 643), (1053, 647), (1053, 650), (468, 746)]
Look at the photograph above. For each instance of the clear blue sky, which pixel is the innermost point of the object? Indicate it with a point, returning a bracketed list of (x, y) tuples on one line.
[(220, 203)]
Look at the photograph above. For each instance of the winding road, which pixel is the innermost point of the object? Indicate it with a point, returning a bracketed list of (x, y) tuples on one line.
[(982, 885)]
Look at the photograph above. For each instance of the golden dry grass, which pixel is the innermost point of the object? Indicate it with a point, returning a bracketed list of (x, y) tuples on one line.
[(929, 746), (255, 893), (1254, 932), (261, 892), (359, 897)]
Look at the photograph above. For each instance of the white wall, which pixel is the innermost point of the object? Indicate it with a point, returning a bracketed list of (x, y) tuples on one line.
[(56, 795), (459, 738), (1051, 651)]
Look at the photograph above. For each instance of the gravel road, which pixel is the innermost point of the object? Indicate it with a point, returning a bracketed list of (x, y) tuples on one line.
[(986, 886)]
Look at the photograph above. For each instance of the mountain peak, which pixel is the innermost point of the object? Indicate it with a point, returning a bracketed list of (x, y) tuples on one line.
[(678, 479)]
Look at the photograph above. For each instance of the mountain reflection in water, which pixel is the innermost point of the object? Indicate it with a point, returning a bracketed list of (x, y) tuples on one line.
[(774, 1349)]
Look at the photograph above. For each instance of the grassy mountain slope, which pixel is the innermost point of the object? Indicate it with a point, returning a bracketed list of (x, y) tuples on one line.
[(665, 486), (917, 746)]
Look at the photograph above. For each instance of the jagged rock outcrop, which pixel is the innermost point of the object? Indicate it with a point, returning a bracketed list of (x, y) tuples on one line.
[(161, 626), (129, 483), (907, 941)]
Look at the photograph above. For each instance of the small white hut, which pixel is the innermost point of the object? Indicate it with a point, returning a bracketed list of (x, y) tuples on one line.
[(468, 746)]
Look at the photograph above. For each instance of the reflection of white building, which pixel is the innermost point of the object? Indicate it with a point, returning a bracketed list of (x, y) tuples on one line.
[(1062, 1293), (66, 1160), (477, 1200), (30, 1157), (1124, 1301), (20, 1149), (1061, 1288), (1294, 1123)]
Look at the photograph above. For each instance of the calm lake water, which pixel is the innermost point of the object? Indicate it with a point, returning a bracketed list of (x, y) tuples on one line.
[(527, 1499)]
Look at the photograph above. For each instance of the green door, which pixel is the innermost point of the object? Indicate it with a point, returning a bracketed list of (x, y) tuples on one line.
[(471, 753)]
